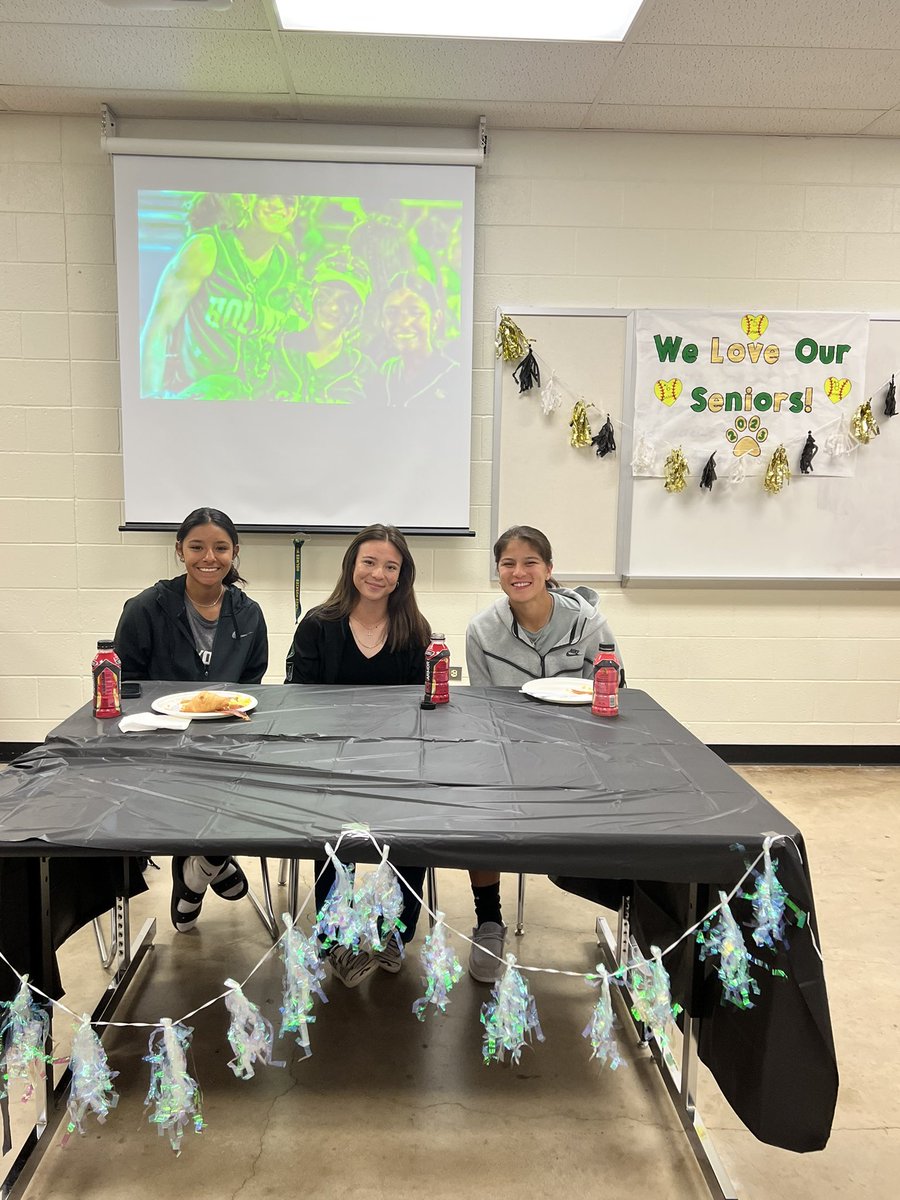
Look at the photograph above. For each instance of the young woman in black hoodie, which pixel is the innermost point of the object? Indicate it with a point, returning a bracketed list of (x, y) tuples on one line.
[(190, 629)]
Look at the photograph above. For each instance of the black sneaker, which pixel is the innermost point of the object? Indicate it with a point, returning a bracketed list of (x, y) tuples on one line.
[(186, 904)]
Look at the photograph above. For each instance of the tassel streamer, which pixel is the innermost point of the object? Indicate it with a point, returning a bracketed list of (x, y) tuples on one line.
[(304, 973), (738, 472), (769, 901), (581, 430), (378, 903), (644, 459), (676, 471), (442, 970), (509, 1017), (175, 1095), (92, 1089), (840, 442), (605, 440), (890, 400), (23, 1036), (709, 477), (600, 1027), (511, 341), (651, 997), (336, 924), (527, 374), (808, 453), (778, 472), (250, 1034), (725, 939), (551, 395), (863, 425)]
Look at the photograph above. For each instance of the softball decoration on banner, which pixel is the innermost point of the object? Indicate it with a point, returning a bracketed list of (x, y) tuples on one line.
[(734, 384)]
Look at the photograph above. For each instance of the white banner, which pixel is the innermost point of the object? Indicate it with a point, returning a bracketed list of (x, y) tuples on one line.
[(742, 384)]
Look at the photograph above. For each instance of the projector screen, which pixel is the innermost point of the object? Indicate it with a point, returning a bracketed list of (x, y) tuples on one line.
[(295, 341)]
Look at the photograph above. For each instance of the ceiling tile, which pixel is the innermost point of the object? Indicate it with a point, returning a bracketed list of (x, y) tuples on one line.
[(442, 69), (885, 125), (752, 77), (243, 14), (873, 25), (198, 60), (391, 111), (718, 119)]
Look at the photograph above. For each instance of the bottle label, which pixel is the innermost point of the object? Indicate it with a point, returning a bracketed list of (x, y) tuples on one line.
[(437, 674)]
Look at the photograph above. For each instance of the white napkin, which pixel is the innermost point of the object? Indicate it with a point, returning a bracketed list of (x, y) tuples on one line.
[(139, 722)]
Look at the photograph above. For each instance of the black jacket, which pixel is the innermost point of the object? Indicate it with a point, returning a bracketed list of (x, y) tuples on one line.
[(317, 648), (154, 638)]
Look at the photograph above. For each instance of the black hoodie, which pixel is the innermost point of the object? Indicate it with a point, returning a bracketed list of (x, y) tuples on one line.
[(154, 638)]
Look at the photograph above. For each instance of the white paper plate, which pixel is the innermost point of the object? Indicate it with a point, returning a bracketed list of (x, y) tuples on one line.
[(560, 691), (171, 705)]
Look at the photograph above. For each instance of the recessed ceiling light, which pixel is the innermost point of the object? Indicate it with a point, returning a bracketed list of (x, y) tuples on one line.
[(501, 20)]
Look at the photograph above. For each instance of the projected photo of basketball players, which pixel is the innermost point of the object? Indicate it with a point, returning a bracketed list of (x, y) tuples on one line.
[(223, 298), (418, 374), (323, 363)]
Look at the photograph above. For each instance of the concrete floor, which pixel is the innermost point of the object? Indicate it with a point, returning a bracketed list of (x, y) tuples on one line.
[(389, 1107)]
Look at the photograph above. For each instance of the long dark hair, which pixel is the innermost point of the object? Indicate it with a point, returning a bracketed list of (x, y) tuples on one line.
[(213, 516), (408, 626), (539, 542)]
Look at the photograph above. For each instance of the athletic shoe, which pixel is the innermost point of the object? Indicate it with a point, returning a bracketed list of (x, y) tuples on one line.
[(187, 902), (231, 882), (390, 959), (352, 967), (486, 957)]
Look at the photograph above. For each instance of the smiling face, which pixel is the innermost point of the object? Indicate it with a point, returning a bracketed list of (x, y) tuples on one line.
[(409, 323), (522, 572), (335, 306), (208, 553), (376, 571), (275, 214)]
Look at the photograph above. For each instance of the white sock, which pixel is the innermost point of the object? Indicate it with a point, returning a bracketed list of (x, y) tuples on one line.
[(198, 873)]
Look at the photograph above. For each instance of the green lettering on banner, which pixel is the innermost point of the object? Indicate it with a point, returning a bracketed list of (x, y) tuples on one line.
[(690, 353), (795, 402), (734, 401), (699, 394), (667, 348), (806, 349), (762, 401)]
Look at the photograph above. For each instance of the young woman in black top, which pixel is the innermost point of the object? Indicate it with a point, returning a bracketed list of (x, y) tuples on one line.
[(192, 628), (368, 632)]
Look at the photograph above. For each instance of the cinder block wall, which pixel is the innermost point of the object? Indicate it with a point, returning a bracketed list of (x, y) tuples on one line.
[(603, 219)]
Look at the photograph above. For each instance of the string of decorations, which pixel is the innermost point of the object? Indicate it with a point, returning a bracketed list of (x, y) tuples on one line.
[(512, 344), (368, 915)]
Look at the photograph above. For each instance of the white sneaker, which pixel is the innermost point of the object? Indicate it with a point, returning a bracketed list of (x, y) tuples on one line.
[(391, 958), (352, 967), (486, 957)]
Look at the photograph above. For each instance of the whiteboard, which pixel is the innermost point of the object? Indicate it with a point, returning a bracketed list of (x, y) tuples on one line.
[(605, 524), (538, 478)]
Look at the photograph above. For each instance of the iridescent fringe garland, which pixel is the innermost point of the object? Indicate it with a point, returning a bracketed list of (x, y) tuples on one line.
[(369, 915)]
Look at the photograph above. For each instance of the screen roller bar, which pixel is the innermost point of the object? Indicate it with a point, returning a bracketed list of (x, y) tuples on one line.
[(172, 527)]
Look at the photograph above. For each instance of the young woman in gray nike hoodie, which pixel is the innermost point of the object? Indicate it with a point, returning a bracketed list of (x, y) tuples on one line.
[(536, 630)]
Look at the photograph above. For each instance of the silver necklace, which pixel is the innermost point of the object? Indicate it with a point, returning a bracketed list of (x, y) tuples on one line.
[(379, 641), (217, 600)]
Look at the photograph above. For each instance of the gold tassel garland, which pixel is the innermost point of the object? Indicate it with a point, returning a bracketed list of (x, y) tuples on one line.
[(676, 471), (778, 472), (511, 341), (863, 425), (581, 430)]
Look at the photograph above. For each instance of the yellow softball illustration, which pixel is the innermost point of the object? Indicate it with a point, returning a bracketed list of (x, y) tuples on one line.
[(836, 389), (754, 327), (667, 390)]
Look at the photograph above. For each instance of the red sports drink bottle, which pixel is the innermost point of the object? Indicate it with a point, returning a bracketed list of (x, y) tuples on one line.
[(606, 682), (107, 671), (437, 671)]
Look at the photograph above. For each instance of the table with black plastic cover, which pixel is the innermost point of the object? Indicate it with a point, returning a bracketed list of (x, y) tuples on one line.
[(492, 780)]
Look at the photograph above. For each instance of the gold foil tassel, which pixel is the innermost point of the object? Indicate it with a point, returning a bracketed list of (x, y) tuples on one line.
[(778, 472), (581, 430), (511, 341), (863, 425), (676, 471)]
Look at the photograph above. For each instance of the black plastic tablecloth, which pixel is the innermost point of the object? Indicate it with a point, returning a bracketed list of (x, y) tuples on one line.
[(491, 780)]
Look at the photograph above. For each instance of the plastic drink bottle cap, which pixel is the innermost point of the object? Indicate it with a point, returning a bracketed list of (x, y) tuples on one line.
[(106, 645)]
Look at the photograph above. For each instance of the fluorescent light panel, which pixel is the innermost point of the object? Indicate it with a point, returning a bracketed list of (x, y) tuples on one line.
[(502, 20)]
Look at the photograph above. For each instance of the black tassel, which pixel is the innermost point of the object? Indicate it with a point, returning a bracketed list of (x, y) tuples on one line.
[(890, 400), (708, 478), (605, 440), (527, 374), (808, 453)]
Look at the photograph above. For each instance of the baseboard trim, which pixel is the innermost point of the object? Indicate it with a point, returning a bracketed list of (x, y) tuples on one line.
[(810, 756), (11, 750)]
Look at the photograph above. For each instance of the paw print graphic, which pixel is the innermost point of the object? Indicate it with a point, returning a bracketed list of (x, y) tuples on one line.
[(745, 436)]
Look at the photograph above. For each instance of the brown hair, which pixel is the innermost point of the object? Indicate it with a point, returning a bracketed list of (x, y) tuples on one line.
[(408, 626), (213, 516), (539, 542)]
